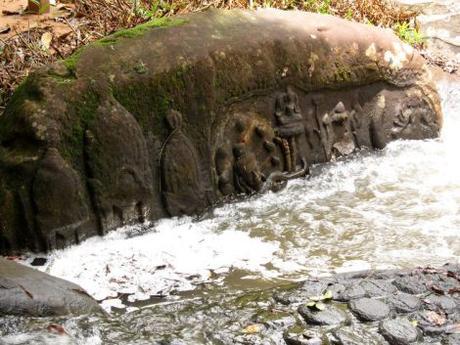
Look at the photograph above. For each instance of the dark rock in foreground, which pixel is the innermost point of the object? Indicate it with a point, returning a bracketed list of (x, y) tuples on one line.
[(27, 292), (175, 115)]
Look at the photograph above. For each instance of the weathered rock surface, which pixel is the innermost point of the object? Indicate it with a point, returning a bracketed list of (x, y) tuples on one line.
[(170, 117), (369, 309), (398, 331), (28, 292)]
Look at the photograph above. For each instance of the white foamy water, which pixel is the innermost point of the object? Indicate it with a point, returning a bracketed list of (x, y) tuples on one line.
[(395, 208)]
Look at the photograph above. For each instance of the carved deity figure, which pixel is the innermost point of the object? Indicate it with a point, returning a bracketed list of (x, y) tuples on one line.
[(289, 127), (342, 138), (248, 178), (181, 184)]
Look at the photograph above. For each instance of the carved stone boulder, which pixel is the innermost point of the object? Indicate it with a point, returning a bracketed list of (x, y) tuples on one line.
[(170, 117)]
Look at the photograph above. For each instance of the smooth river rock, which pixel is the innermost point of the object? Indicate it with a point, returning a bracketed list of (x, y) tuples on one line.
[(398, 331), (27, 292), (369, 309), (178, 114)]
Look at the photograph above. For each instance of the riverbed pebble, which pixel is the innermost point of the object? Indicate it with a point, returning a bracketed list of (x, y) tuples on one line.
[(398, 331), (329, 316), (369, 309)]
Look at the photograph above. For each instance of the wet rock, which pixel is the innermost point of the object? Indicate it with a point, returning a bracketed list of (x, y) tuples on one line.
[(430, 322), (39, 261), (330, 316), (377, 287), (355, 336), (368, 309), (453, 339), (290, 297), (411, 284), (27, 292), (404, 303), (440, 303), (299, 336), (351, 292), (398, 331)]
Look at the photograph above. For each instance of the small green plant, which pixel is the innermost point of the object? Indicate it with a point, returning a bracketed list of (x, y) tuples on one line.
[(152, 9), (409, 34), (349, 14), (319, 6)]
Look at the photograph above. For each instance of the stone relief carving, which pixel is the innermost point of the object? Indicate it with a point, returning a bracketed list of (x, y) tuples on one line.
[(120, 176), (249, 159), (181, 185), (58, 196), (339, 131), (290, 126)]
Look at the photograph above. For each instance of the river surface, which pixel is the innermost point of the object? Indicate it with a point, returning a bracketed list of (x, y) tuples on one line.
[(177, 281)]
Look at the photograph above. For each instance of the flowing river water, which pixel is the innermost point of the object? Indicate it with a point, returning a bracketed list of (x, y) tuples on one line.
[(179, 281)]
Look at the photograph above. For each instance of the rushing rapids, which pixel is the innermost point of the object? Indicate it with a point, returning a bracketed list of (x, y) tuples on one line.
[(393, 208)]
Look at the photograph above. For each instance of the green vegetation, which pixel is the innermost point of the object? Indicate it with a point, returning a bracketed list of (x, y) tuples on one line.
[(112, 39), (142, 28), (409, 34)]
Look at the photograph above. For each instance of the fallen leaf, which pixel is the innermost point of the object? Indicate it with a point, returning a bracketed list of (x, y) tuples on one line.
[(435, 318), (251, 329), (437, 289), (5, 29), (327, 295), (454, 290), (310, 304), (451, 329), (11, 13), (56, 329), (45, 41), (320, 306), (414, 323)]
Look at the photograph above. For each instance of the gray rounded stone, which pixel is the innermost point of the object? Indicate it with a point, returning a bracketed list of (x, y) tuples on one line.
[(330, 316), (444, 303), (411, 284), (453, 339), (398, 331), (27, 292), (356, 336), (368, 309), (350, 293), (405, 303), (378, 287)]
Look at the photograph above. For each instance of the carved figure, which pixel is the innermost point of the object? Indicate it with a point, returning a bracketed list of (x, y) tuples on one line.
[(248, 178), (224, 171), (290, 127), (120, 177), (343, 143), (181, 184)]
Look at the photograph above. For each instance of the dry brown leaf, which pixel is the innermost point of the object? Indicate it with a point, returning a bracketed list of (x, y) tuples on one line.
[(435, 318), (45, 40)]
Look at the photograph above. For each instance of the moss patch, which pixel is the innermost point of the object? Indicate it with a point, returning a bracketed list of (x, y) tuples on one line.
[(72, 151), (139, 30)]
